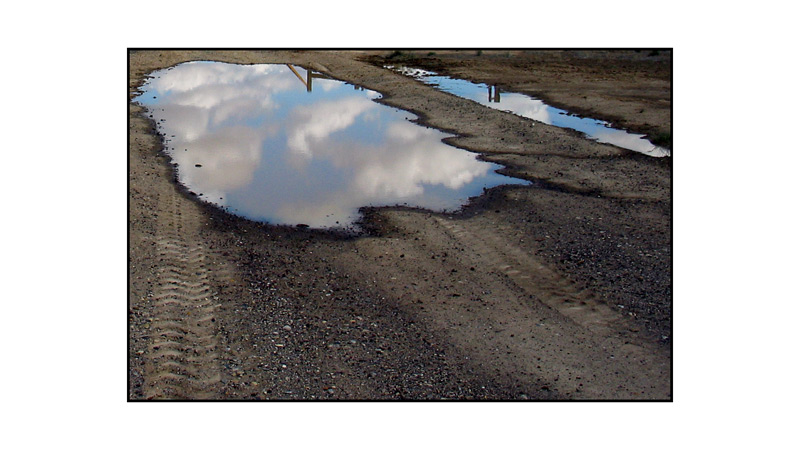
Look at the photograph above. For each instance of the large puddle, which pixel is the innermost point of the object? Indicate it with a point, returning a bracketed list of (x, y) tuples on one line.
[(535, 109), (283, 145)]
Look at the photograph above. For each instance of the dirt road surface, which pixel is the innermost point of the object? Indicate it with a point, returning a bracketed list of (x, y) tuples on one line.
[(556, 291)]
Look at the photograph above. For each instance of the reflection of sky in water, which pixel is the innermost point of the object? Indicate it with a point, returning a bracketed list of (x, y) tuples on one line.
[(535, 109), (253, 140)]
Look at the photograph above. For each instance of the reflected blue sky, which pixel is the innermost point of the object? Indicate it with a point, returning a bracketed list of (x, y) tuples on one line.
[(259, 142), (535, 109)]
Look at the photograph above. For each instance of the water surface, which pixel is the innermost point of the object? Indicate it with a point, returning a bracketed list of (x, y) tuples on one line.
[(284, 145), (535, 109)]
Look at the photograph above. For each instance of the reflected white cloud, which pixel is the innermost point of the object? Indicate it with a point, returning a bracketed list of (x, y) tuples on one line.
[(411, 157), (635, 142), (251, 138), (227, 159), (326, 85), (525, 107), (313, 124), (193, 75)]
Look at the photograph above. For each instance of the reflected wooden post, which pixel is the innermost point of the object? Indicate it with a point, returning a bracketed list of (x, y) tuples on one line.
[(311, 75), (494, 97), (308, 80), (308, 86)]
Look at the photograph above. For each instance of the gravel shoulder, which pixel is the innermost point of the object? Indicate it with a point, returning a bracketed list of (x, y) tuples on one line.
[(556, 291)]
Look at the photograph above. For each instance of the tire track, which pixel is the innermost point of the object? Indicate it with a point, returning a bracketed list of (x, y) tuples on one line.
[(182, 360), (512, 314), (537, 279), (612, 332)]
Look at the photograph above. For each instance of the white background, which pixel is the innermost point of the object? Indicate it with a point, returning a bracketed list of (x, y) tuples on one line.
[(64, 245)]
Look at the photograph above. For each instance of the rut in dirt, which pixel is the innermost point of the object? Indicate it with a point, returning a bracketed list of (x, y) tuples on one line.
[(182, 361), (638, 366)]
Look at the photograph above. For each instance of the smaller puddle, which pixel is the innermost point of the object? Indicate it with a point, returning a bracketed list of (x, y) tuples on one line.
[(535, 109)]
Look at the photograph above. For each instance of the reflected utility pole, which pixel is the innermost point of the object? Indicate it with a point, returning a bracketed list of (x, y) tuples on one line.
[(496, 97), (310, 75)]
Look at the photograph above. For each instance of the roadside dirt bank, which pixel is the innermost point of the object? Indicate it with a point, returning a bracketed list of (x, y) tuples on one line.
[(561, 290)]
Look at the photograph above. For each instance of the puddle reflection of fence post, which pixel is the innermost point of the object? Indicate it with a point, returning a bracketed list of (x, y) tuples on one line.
[(310, 75), (496, 97)]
